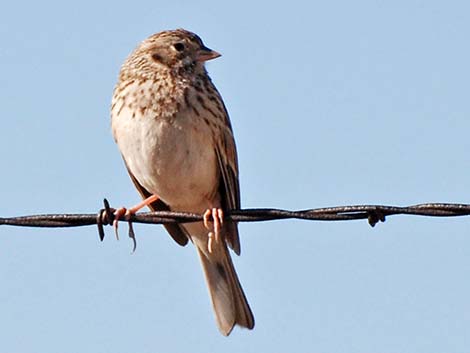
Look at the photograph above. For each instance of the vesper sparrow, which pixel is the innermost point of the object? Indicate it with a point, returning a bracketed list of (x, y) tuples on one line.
[(175, 136)]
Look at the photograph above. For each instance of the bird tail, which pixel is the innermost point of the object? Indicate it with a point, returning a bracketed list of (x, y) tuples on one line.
[(228, 300)]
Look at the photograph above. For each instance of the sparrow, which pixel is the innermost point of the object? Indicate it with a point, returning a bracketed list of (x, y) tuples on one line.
[(175, 136)]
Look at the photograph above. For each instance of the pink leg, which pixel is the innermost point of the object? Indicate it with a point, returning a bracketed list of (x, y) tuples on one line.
[(218, 220), (127, 213)]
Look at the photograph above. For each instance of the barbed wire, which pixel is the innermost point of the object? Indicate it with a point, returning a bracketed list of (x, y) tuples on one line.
[(373, 213)]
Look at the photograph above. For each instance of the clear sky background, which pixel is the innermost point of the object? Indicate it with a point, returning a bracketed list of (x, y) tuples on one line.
[(332, 103)]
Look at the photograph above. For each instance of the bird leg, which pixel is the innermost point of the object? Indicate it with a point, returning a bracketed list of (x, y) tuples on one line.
[(128, 212), (217, 215)]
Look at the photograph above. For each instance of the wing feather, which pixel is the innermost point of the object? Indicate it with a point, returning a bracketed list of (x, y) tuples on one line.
[(229, 185)]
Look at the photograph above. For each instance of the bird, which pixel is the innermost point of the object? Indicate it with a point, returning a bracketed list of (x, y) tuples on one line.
[(175, 136)]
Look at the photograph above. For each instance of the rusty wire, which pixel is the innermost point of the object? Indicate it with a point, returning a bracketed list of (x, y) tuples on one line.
[(105, 216), (373, 213)]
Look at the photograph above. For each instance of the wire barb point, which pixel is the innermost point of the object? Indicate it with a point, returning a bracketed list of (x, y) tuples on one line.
[(375, 217)]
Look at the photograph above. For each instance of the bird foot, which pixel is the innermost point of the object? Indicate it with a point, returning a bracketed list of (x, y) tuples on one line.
[(217, 216), (119, 213), (128, 213)]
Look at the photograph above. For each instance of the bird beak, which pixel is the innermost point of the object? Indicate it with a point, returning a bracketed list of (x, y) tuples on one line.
[(206, 54)]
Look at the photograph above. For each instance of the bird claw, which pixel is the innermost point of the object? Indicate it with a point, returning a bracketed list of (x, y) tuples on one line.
[(127, 213), (132, 236), (210, 242), (206, 217), (218, 220), (122, 211)]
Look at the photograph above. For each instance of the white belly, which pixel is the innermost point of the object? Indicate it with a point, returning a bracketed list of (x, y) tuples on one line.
[(173, 158)]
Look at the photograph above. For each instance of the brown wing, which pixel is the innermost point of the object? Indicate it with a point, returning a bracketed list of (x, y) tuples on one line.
[(176, 232), (229, 187)]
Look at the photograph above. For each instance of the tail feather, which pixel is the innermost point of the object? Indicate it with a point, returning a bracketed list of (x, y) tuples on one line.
[(228, 300)]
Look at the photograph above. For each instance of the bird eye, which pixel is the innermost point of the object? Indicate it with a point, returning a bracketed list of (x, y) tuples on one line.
[(157, 57), (179, 46)]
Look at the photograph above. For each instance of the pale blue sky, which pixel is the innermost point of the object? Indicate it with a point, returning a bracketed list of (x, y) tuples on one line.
[(332, 103)]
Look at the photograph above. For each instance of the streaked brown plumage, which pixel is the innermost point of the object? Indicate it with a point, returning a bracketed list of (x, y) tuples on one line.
[(175, 136)]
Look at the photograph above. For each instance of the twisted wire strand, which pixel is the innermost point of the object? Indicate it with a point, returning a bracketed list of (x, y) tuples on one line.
[(373, 213), (106, 216)]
